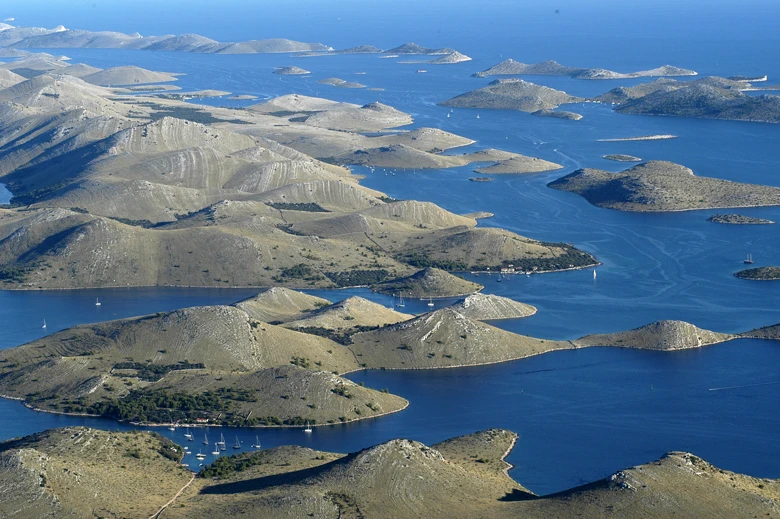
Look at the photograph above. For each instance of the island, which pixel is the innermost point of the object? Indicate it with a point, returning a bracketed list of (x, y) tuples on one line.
[(510, 67), (710, 98), (512, 94), (662, 186), (661, 335), (619, 157), (290, 71), (558, 114), (760, 274), (54, 475), (481, 179), (738, 219), (341, 83)]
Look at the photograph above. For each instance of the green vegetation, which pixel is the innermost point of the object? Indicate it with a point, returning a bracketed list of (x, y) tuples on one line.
[(355, 278), (420, 260), (154, 372), (225, 466), (310, 207)]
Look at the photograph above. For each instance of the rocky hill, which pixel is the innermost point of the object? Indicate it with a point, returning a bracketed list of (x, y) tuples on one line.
[(511, 67), (429, 282), (662, 186), (661, 335)]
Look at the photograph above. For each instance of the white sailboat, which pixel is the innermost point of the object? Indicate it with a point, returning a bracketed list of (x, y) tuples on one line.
[(215, 452), (221, 442), (308, 428), (430, 301), (237, 445), (44, 324), (594, 273), (200, 455), (97, 302), (205, 439), (188, 434), (401, 303), (257, 443)]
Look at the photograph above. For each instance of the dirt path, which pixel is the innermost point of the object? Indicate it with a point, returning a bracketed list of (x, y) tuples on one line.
[(169, 503)]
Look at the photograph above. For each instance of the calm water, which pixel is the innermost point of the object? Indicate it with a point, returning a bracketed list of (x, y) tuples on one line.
[(583, 414)]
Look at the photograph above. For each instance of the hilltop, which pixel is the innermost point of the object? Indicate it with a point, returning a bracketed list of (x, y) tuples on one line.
[(485, 307), (126, 76), (512, 94), (662, 186)]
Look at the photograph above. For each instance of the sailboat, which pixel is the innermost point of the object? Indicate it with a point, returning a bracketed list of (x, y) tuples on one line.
[(430, 301), (477, 116), (308, 428), (257, 443), (401, 303), (748, 260), (215, 452), (97, 302), (44, 324), (448, 115), (188, 434), (594, 273), (237, 445), (221, 442), (205, 439), (200, 455)]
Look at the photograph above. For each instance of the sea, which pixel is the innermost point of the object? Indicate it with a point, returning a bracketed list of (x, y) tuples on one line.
[(581, 415)]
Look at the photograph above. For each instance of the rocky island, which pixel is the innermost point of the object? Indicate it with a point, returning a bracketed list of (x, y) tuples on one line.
[(738, 219), (662, 186), (511, 67), (291, 71), (558, 114), (512, 94), (760, 274), (622, 158)]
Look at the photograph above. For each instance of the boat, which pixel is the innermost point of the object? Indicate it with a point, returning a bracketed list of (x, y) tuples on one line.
[(594, 273), (257, 443), (205, 439), (237, 445), (221, 439), (477, 116), (748, 260), (97, 302), (188, 434), (308, 428), (401, 303), (430, 301), (448, 115), (200, 455), (44, 324), (215, 452)]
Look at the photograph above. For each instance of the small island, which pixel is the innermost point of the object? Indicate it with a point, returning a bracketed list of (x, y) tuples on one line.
[(512, 94), (619, 157), (291, 71), (738, 219), (558, 114), (481, 179), (760, 274)]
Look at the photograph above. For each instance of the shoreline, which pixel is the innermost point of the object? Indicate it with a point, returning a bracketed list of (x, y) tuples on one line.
[(264, 287)]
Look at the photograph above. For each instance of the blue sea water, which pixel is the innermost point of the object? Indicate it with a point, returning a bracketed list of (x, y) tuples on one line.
[(581, 414)]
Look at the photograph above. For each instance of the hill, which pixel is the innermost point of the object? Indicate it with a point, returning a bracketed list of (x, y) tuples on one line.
[(444, 338), (81, 472), (127, 76), (662, 186), (661, 335), (290, 71), (512, 94), (348, 315), (447, 59), (485, 307), (429, 282), (520, 164)]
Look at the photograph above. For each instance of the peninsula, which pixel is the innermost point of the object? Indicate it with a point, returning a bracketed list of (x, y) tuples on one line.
[(760, 274), (738, 219)]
